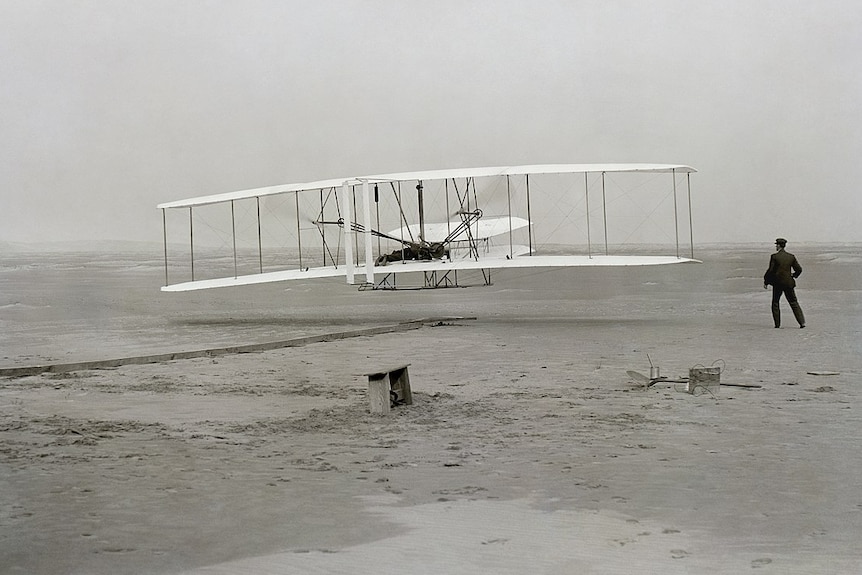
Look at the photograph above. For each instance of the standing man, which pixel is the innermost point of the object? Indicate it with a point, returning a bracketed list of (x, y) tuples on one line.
[(781, 275)]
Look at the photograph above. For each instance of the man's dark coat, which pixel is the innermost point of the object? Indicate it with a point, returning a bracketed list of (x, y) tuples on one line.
[(783, 268)]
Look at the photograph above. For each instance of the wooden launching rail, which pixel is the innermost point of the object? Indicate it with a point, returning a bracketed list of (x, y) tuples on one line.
[(23, 371)]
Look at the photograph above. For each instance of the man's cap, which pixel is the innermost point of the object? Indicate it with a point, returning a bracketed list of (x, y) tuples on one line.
[(781, 241)]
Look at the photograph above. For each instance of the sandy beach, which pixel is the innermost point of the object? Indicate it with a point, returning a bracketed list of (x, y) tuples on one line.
[(528, 448)]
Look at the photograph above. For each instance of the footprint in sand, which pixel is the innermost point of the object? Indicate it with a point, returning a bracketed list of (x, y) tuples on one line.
[(757, 563), (116, 550), (499, 541)]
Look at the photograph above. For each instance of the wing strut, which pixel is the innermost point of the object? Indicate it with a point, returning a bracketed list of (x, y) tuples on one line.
[(690, 224), (587, 199), (446, 188), (322, 230), (369, 254), (233, 235), (298, 232), (355, 215), (509, 202), (165, 235), (259, 241), (529, 217), (675, 212), (605, 213), (377, 209), (192, 241), (348, 244)]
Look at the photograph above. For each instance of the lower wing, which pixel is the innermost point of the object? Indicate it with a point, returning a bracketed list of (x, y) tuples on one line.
[(492, 260)]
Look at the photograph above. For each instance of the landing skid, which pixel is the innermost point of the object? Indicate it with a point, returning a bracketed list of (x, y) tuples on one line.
[(432, 280)]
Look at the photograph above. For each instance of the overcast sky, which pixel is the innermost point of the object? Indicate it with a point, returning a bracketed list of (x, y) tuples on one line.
[(112, 106)]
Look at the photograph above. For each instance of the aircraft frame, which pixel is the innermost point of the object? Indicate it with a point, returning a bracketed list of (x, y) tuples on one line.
[(347, 239)]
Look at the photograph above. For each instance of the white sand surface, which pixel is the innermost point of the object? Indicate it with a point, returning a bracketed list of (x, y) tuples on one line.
[(528, 449)]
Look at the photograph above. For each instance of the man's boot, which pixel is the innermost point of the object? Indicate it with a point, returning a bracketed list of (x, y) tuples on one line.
[(797, 313)]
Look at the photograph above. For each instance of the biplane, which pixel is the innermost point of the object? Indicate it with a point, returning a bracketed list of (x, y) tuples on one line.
[(432, 225)]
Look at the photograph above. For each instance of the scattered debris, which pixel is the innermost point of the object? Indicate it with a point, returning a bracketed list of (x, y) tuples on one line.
[(639, 377), (824, 373), (700, 378)]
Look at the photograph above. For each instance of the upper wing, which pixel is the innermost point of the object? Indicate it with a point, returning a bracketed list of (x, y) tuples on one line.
[(428, 175)]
